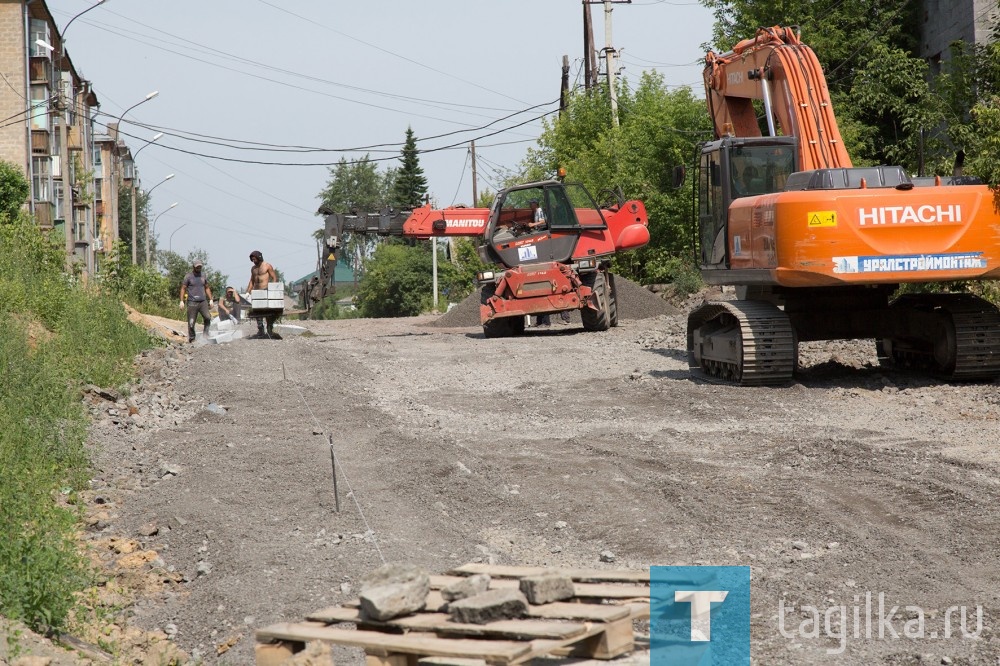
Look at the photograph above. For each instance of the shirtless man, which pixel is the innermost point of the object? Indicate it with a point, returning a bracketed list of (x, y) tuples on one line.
[(261, 275)]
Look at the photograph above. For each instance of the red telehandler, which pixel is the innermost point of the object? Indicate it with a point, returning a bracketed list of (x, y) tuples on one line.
[(817, 248), (550, 261)]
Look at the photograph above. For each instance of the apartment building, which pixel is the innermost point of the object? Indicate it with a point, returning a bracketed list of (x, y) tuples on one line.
[(949, 21), (51, 132)]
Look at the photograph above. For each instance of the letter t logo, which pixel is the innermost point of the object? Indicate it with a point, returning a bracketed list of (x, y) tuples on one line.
[(701, 610)]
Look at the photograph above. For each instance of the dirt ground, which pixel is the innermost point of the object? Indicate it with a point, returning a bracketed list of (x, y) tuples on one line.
[(548, 449)]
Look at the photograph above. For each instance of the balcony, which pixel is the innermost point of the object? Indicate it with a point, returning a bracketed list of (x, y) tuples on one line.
[(41, 143), (40, 70), (45, 214), (75, 138)]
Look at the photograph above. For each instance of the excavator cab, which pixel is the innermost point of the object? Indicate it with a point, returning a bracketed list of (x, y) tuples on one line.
[(539, 222), (732, 169)]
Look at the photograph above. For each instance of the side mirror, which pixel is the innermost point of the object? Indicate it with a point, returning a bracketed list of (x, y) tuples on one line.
[(680, 173)]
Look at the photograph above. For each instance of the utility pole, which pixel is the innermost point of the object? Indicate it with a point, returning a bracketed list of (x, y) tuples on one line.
[(475, 193), (434, 263), (589, 69), (563, 89), (609, 52)]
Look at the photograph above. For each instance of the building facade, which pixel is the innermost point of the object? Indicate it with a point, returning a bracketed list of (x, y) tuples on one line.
[(949, 21), (50, 131)]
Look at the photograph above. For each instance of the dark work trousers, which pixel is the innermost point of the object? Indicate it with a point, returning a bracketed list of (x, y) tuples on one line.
[(194, 308), (269, 321)]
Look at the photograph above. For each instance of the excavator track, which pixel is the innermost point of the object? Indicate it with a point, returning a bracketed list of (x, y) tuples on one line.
[(968, 348), (751, 343)]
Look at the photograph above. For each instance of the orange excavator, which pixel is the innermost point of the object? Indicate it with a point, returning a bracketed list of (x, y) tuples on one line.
[(550, 241), (816, 247)]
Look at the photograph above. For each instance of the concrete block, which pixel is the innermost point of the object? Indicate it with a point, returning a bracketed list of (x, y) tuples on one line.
[(547, 588), (490, 606)]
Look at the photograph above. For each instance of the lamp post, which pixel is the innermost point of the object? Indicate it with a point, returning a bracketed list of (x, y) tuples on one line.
[(170, 241), (153, 229), (117, 133), (64, 30), (147, 228), (135, 178)]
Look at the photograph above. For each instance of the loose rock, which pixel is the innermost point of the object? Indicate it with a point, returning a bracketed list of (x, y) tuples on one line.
[(490, 606)]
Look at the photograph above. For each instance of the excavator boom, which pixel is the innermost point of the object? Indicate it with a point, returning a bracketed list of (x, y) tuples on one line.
[(776, 68)]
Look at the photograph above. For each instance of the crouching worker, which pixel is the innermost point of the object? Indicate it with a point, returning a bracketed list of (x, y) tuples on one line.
[(230, 307), (196, 295)]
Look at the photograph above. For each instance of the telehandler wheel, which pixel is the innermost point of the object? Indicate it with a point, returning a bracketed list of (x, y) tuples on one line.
[(612, 301), (499, 328), (599, 319)]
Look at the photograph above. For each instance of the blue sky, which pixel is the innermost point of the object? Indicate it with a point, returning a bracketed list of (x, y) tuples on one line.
[(339, 75)]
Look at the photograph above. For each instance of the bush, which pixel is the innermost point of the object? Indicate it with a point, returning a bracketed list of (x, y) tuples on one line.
[(659, 267)]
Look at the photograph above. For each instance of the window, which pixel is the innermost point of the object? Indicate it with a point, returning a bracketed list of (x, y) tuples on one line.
[(79, 225), (39, 107), (57, 195), (41, 178), (98, 189), (40, 30)]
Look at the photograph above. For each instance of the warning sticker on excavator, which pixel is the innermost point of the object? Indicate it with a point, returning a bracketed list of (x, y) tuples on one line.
[(822, 218)]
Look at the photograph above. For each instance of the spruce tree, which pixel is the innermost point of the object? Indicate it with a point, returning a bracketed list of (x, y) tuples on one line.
[(411, 185)]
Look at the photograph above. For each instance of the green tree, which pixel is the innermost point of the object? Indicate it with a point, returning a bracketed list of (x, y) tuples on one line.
[(357, 186), (411, 185), (141, 220), (175, 267), (14, 191), (398, 281), (658, 129)]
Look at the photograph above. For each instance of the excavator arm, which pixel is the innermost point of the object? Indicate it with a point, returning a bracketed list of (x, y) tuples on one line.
[(776, 68)]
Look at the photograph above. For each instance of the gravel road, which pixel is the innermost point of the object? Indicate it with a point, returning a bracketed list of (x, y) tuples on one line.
[(549, 449)]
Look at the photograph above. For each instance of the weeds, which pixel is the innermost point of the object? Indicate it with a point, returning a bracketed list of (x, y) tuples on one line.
[(55, 336)]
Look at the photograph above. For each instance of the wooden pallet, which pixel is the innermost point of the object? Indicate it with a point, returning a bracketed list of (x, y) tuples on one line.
[(595, 623)]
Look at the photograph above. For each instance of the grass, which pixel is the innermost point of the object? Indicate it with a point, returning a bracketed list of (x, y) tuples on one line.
[(56, 335)]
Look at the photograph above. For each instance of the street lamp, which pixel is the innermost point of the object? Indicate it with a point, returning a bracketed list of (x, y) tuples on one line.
[(118, 128), (147, 198), (135, 178), (152, 229), (155, 138), (64, 30), (170, 241)]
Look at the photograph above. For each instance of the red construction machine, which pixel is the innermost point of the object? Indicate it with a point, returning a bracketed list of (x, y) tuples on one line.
[(551, 242), (817, 248)]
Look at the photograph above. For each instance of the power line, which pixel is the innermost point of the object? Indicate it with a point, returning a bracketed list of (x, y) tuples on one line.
[(271, 147), (379, 48), (208, 50)]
